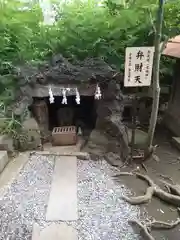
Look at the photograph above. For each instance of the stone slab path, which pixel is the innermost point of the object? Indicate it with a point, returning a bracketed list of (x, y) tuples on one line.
[(102, 214), (62, 203), (54, 231)]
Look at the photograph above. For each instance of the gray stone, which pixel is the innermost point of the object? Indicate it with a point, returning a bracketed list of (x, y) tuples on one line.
[(63, 196), (54, 231), (114, 159), (97, 143), (6, 143), (140, 137), (58, 72), (118, 135), (98, 138), (12, 170), (34, 137), (30, 124), (3, 160), (176, 142)]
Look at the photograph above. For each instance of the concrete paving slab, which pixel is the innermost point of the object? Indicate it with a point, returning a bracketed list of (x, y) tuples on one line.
[(3, 160), (63, 196), (54, 232), (11, 170), (176, 142)]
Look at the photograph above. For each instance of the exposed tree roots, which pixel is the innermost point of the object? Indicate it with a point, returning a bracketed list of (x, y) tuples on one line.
[(141, 199), (154, 225), (144, 231), (171, 197)]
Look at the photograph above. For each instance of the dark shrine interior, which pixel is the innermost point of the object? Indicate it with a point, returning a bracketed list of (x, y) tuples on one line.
[(81, 115)]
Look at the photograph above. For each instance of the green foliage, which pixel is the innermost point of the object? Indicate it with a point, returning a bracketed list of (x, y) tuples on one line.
[(8, 125), (83, 29)]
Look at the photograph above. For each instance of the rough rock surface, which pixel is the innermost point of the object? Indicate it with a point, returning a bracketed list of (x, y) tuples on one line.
[(109, 120), (58, 71), (89, 72)]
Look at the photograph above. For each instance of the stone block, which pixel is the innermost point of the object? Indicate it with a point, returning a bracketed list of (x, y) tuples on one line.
[(140, 137), (6, 143), (3, 160), (98, 138), (176, 142), (54, 231), (30, 124), (34, 137)]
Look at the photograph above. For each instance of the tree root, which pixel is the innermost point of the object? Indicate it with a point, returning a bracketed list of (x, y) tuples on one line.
[(162, 225), (144, 231), (154, 190), (173, 197), (144, 166), (154, 225), (140, 199), (173, 188), (123, 174), (166, 177), (157, 191)]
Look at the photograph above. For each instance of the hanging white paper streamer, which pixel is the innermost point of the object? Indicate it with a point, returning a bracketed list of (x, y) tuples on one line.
[(64, 100), (51, 97), (98, 94), (77, 97)]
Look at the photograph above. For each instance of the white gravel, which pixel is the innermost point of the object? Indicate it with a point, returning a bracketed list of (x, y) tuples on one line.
[(103, 214)]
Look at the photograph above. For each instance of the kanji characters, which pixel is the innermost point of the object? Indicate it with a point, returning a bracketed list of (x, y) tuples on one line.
[(137, 79), (140, 55), (148, 55), (130, 65), (138, 67)]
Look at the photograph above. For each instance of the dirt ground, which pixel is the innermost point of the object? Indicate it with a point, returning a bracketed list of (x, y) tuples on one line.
[(169, 165)]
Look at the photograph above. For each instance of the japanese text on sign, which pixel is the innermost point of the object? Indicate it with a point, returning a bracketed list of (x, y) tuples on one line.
[(138, 66)]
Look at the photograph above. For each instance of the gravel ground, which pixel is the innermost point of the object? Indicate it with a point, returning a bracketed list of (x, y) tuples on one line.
[(102, 214)]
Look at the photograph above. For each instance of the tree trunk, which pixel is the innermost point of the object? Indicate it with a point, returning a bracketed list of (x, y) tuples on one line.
[(156, 87)]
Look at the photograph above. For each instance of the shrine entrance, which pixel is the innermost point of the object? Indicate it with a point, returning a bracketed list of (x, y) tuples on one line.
[(51, 115)]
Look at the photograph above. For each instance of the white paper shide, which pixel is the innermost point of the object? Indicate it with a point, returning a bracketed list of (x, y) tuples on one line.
[(77, 97), (64, 100), (138, 66), (98, 94), (51, 97)]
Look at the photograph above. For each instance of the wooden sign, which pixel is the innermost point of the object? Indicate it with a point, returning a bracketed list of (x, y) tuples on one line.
[(138, 66)]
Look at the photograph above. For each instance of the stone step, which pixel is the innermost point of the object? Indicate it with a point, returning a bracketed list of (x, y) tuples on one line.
[(79, 155), (3, 160), (6, 143), (54, 231), (176, 142), (11, 171)]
